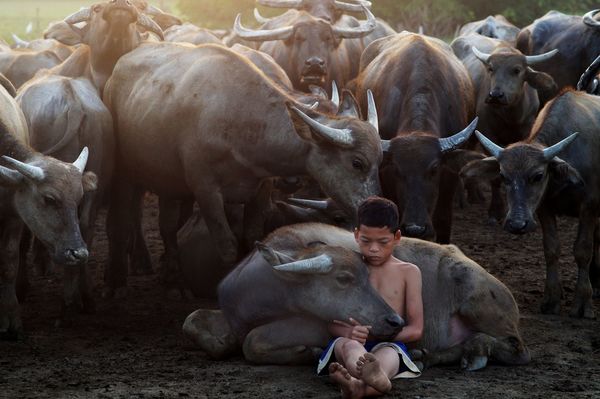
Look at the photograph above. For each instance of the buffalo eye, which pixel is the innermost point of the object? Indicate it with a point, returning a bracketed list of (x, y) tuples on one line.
[(339, 219), (344, 279), (97, 8), (433, 169), (358, 165), (537, 177), (517, 70), (50, 201), (490, 69)]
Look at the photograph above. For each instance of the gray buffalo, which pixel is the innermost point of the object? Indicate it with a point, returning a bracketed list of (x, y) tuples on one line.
[(277, 302), (42, 193), (496, 27), (553, 173)]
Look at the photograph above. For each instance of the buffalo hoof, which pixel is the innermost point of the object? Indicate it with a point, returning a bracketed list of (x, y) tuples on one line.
[(583, 309), (550, 307), (473, 363), (210, 332), (114, 293)]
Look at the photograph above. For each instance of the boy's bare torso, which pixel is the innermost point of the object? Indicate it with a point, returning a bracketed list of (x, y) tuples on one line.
[(390, 280)]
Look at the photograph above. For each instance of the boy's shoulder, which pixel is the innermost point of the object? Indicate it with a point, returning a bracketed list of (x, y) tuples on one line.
[(406, 267)]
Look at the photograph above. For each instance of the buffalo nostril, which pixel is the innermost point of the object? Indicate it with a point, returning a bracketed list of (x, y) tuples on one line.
[(496, 94), (80, 254), (395, 321), (413, 230), (517, 225)]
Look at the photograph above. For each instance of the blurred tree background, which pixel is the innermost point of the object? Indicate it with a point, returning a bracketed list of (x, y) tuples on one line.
[(437, 17)]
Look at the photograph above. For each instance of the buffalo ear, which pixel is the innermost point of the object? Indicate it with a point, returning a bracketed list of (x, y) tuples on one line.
[(10, 177), (89, 181), (482, 169), (540, 81), (349, 106), (455, 160), (67, 34), (272, 256), (563, 173)]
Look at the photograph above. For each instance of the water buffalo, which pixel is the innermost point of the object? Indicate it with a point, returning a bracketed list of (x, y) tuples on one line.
[(506, 88), (497, 27), (20, 65), (314, 275), (576, 39), (61, 50), (65, 112), (184, 119), (189, 33), (412, 77), (312, 50), (42, 193), (538, 181)]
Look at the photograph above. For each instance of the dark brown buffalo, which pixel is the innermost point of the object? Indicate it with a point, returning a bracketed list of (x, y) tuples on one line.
[(208, 155), (506, 93), (576, 38), (555, 172), (496, 27), (312, 50), (426, 96)]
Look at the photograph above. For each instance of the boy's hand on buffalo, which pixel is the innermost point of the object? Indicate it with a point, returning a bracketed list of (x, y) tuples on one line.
[(355, 330)]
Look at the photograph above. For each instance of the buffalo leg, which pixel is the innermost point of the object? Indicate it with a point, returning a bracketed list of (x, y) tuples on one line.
[(553, 287), (23, 274), (295, 340), (10, 319), (473, 354), (595, 266), (583, 249), (212, 208), (140, 261), (497, 208), (442, 218), (119, 231), (169, 220)]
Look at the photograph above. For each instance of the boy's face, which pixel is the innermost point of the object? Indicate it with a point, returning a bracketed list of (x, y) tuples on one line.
[(376, 243)]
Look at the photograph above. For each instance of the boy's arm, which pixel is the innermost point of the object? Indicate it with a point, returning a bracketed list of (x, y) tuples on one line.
[(413, 331), (353, 330)]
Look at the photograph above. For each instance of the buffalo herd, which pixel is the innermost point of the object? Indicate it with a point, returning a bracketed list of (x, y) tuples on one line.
[(261, 143)]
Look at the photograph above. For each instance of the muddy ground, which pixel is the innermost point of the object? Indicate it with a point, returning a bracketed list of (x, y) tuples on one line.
[(134, 348)]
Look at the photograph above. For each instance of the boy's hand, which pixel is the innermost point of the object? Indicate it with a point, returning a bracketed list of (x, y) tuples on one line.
[(356, 331)]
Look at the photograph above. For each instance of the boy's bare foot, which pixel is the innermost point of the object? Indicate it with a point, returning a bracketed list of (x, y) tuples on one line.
[(350, 386), (371, 373)]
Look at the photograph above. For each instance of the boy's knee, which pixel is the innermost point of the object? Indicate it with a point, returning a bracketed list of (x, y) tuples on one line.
[(350, 344)]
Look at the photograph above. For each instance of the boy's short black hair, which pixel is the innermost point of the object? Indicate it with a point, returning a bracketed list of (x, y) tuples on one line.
[(378, 212)]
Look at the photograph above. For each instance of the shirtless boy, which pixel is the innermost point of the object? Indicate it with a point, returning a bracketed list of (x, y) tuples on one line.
[(361, 366)]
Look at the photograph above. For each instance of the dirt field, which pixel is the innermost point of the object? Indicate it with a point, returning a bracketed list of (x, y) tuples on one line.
[(135, 349)]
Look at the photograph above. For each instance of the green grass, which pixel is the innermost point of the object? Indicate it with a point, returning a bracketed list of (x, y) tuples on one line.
[(16, 14)]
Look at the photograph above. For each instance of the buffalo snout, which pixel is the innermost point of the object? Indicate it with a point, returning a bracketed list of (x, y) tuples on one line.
[(74, 256), (395, 321), (519, 225), (413, 230), (496, 96)]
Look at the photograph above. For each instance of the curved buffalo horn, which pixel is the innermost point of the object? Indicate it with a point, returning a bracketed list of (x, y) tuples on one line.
[(349, 7), (372, 110), (364, 29), (82, 159), (82, 15), (281, 3), (259, 18), (551, 152), (341, 137), (489, 145), (321, 264), (589, 20), (335, 94), (261, 35), (149, 24), (385, 145), (483, 57), (33, 172), (589, 74), (450, 143), (18, 41), (536, 59), (320, 205)]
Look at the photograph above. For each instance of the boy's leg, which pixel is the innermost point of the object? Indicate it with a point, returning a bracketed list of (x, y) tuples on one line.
[(376, 369), (347, 352)]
